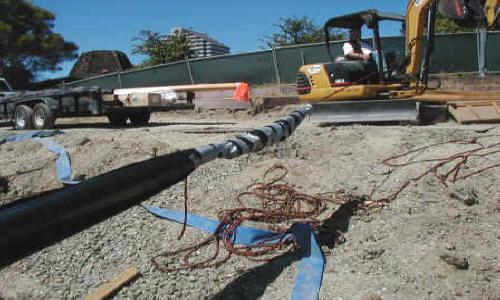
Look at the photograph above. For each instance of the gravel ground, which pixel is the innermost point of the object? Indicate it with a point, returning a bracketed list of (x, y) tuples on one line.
[(413, 248)]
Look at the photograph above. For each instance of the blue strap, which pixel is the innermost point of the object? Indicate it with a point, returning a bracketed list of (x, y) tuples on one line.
[(24, 136), (310, 273), (308, 280), (63, 163), (242, 235)]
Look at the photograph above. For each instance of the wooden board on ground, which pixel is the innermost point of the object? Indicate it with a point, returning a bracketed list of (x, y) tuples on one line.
[(114, 285), (467, 106), (467, 112)]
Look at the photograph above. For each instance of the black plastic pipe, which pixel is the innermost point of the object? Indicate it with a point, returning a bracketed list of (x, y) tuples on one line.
[(30, 224)]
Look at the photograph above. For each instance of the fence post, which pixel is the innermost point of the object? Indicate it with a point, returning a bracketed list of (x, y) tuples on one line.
[(190, 72), (302, 57), (119, 79), (482, 42), (276, 69)]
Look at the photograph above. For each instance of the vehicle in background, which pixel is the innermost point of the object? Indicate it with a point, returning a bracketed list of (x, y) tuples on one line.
[(390, 91), (5, 89), (40, 109)]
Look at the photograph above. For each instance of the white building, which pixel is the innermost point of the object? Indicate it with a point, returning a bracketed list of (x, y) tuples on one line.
[(201, 43)]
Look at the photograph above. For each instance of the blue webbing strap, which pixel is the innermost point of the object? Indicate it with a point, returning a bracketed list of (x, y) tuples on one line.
[(63, 163), (310, 273)]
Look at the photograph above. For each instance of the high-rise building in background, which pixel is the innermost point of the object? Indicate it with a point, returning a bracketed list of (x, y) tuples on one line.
[(201, 43)]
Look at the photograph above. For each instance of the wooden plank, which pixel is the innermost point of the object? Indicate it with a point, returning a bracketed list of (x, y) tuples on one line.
[(114, 285), (179, 88), (446, 96), (456, 114), (474, 103), (474, 114), (496, 106)]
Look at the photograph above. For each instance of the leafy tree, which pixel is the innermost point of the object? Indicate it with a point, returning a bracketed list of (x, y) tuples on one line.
[(446, 25), (27, 43), (294, 30), (161, 49)]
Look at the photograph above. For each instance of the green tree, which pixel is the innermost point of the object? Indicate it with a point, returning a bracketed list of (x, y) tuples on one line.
[(27, 43), (161, 49), (446, 25), (294, 30)]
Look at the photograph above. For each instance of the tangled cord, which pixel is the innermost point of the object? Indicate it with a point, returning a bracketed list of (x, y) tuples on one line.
[(281, 204), (451, 167)]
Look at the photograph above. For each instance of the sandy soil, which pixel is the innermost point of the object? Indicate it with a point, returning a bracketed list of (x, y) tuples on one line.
[(412, 248)]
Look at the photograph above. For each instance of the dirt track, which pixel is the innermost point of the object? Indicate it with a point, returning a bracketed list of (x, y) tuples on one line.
[(399, 252)]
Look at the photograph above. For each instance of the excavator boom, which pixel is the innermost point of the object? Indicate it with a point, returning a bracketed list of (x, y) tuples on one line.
[(467, 13)]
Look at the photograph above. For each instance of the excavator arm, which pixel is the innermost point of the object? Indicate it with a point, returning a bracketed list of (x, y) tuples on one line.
[(491, 11), (469, 13)]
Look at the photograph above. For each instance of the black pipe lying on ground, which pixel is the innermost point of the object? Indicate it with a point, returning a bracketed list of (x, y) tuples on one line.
[(31, 224)]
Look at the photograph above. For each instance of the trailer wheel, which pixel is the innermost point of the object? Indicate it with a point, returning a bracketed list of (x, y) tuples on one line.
[(117, 120), (139, 118), (23, 118), (42, 116)]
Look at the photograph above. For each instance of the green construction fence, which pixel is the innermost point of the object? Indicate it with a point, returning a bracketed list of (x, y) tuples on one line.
[(454, 53)]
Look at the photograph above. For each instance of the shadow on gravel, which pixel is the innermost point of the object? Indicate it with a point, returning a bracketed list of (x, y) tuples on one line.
[(337, 224), (254, 282), (4, 185)]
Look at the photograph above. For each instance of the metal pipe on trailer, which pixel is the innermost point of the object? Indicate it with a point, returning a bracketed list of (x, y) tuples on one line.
[(31, 224)]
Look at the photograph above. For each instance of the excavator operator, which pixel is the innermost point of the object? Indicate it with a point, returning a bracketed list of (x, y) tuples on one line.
[(355, 49)]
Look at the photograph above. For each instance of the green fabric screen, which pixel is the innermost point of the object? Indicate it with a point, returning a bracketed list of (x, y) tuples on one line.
[(454, 53)]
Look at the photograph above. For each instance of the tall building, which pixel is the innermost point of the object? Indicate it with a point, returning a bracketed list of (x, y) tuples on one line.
[(201, 43)]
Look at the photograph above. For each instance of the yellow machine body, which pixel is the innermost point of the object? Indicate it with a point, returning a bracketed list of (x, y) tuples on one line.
[(325, 82), (322, 90)]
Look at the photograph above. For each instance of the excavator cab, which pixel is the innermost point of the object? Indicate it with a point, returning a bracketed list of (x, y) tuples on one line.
[(328, 85), (344, 79), (379, 64)]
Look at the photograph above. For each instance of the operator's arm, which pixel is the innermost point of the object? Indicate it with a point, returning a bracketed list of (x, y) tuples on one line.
[(351, 55), (358, 56)]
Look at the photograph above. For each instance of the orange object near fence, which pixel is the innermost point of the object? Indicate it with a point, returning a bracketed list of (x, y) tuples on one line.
[(241, 92)]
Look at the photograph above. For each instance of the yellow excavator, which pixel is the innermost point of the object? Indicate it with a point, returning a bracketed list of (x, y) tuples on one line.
[(385, 88)]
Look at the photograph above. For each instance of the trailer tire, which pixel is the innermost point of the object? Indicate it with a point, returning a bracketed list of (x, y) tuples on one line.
[(23, 117), (42, 116), (117, 120), (139, 118)]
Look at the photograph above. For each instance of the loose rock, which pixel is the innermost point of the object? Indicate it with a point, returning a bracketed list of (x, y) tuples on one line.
[(460, 262)]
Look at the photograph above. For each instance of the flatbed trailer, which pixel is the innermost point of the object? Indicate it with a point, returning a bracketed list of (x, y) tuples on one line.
[(39, 110)]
